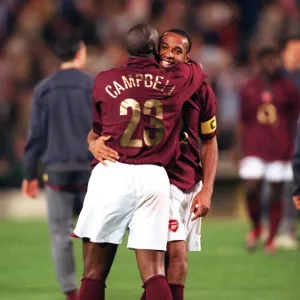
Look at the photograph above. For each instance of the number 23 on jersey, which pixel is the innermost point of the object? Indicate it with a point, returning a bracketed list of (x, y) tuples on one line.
[(155, 122)]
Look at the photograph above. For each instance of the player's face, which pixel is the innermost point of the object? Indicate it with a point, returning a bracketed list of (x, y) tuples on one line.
[(269, 64), (173, 49), (291, 55)]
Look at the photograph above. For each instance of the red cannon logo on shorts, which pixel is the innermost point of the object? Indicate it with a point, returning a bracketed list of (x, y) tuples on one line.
[(173, 225)]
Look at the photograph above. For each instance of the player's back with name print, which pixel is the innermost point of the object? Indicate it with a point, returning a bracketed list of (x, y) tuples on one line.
[(140, 108)]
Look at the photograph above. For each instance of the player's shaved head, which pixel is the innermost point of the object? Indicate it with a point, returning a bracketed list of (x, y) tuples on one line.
[(141, 40)]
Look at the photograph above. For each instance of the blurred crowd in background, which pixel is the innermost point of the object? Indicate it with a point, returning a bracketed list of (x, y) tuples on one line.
[(226, 36)]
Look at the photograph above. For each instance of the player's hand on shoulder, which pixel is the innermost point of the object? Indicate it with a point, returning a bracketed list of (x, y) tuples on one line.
[(296, 200), (101, 152), (30, 188), (201, 204)]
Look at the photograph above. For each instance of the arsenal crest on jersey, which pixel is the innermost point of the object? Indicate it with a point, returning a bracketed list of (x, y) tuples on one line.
[(266, 96)]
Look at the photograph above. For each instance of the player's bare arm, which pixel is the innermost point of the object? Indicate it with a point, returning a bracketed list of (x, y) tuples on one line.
[(98, 148), (209, 159)]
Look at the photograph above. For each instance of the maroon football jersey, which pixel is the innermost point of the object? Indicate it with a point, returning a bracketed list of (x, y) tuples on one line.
[(269, 116), (199, 119), (139, 106)]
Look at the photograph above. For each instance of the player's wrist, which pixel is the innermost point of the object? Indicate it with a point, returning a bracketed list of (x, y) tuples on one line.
[(92, 145), (207, 190)]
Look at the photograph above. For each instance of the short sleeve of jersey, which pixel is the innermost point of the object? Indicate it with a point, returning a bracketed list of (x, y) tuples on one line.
[(97, 124), (207, 118)]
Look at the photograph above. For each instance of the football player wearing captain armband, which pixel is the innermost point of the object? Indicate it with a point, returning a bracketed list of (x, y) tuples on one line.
[(191, 184)]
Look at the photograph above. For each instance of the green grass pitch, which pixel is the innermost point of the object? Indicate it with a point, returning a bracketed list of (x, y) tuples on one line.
[(223, 270)]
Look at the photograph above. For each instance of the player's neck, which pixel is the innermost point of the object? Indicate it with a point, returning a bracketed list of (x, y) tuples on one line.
[(74, 64), (269, 77)]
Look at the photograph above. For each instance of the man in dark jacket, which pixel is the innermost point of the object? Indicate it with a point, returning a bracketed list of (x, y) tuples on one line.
[(61, 117)]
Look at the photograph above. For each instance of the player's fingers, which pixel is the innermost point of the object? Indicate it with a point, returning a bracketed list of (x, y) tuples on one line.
[(108, 152), (198, 213), (193, 206), (107, 149), (196, 216), (101, 161), (204, 212), (105, 138), (105, 157)]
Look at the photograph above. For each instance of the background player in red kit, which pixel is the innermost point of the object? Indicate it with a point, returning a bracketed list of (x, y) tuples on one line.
[(139, 106), (186, 175), (268, 115)]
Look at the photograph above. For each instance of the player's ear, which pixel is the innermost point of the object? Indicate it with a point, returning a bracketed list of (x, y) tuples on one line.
[(187, 57), (156, 54)]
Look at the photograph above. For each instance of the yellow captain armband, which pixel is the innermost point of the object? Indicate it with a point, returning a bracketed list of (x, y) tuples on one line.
[(208, 126)]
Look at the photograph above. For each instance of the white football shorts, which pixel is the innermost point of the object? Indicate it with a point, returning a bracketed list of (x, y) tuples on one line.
[(181, 226), (252, 167), (123, 196)]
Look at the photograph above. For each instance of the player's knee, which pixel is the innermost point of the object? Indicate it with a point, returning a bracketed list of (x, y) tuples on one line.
[(178, 263), (94, 271)]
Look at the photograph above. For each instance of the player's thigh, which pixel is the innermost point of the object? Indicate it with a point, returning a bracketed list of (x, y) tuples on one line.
[(60, 205), (176, 222), (98, 259), (150, 263), (149, 224), (252, 168), (109, 204), (192, 228)]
